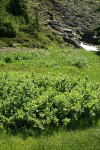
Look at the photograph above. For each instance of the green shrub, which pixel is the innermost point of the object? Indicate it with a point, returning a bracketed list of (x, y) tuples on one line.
[(34, 102), (18, 8), (31, 29), (7, 29), (79, 61)]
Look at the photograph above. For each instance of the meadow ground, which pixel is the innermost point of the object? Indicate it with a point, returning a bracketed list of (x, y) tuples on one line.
[(73, 62), (88, 139), (76, 63)]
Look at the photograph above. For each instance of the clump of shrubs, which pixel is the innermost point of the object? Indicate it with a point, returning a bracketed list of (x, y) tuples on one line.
[(36, 103), (18, 8), (7, 29)]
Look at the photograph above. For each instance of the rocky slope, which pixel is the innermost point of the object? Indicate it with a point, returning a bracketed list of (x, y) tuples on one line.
[(60, 21), (75, 20)]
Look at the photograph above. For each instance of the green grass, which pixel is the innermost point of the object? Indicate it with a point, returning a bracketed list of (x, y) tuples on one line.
[(73, 62), (88, 139)]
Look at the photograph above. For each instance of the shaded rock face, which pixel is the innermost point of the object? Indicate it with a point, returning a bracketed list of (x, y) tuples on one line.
[(72, 41), (82, 14), (75, 20), (90, 37)]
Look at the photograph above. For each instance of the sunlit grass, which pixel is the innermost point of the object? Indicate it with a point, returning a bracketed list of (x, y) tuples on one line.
[(74, 62), (88, 139)]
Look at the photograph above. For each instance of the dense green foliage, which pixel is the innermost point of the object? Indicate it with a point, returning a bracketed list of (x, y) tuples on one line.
[(48, 89), (34, 102), (7, 25), (14, 15), (18, 8), (7, 29), (43, 99)]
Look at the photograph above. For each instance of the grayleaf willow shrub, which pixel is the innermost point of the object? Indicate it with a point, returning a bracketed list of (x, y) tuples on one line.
[(35, 102)]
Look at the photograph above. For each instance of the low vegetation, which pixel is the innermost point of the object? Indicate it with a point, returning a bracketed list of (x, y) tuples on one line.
[(73, 62), (49, 93), (32, 101), (87, 139)]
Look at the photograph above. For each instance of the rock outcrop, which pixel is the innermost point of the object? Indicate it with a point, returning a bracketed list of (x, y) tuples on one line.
[(74, 20)]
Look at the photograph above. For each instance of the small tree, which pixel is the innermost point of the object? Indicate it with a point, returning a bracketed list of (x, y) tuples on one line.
[(18, 8), (35, 23), (37, 19), (7, 29)]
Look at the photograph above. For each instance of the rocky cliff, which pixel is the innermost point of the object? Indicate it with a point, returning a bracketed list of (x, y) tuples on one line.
[(61, 21), (74, 20)]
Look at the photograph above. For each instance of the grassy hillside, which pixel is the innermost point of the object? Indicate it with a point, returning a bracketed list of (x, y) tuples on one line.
[(22, 27), (28, 25)]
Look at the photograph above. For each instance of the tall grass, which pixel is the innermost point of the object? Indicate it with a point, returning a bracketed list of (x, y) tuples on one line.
[(53, 60), (88, 139)]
